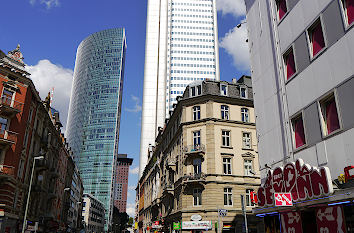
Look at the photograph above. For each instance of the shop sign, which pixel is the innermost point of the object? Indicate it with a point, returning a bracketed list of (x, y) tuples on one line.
[(136, 225), (300, 179), (196, 225), (330, 219), (176, 226), (196, 217), (291, 222), (283, 199)]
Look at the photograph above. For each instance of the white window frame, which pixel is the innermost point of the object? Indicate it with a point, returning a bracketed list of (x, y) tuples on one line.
[(247, 170), (197, 197), (226, 138), (225, 110), (223, 92), (197, 166), (197, 89), (246, 92), (290, 49), (196, 134), (248, 198), (245, 115), (229, 197), (277, 10), (196, 111), (227, 165), (345, 15), (246, 141), (322, 112), (318, 20)]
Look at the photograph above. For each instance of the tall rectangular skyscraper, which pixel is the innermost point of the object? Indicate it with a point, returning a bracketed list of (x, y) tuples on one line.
[(181, 47), (94, 113)]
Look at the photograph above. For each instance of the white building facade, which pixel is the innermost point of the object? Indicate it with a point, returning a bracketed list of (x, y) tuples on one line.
[(302, 56), (93, 212), (181, 47)]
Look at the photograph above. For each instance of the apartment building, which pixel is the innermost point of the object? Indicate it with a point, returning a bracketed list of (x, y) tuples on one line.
[(205, 158), (304, 92), (93, 214)]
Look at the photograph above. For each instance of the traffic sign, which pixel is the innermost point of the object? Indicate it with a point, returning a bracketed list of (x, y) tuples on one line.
[(222, 212), (283, 199)]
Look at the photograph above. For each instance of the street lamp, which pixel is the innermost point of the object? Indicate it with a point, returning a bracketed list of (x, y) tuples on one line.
[(29, 191)]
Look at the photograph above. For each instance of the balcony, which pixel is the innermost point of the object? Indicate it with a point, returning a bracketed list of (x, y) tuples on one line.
[(42, 165), (194, 178), (192, 149), (168, 188), (7, 137), (9, 107), (7, 172)]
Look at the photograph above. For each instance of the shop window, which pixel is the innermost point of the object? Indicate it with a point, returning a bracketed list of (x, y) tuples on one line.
[(348, 10), (316, 38), (298, 131), (224, 112), (330, 119), (289, 63), (281, 8)]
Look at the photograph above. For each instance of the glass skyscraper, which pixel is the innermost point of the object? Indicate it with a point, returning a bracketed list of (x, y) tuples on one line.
[(95, 110), (181, 48)]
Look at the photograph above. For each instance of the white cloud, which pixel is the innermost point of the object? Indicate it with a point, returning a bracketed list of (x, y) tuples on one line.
[(234, 7), (134, 171), (234, 42), (137, 106), (46, 75), (131, 187), (131, 209), (48, 3)]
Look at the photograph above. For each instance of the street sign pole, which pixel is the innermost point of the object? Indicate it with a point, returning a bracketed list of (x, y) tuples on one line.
[(244, 212), (218, 220)]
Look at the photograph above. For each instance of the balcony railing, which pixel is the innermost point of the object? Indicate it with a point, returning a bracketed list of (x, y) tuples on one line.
[(9, 106), (194, 177), (7, 170), (7, 136), (200, 148)]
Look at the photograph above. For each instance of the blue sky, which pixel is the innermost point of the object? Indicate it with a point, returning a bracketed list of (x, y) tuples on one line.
[(49, 32)]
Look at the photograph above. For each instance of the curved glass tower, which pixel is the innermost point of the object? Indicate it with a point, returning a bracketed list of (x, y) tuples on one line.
[(95, 109)]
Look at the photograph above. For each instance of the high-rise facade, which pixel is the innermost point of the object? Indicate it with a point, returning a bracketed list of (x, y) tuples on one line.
[(181, 47), (304, 92), (121, 182), (94, 113)]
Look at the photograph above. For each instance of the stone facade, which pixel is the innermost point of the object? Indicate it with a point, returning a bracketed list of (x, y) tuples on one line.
[(205, 158)]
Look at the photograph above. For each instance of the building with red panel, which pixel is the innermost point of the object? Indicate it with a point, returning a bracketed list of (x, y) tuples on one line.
[(121, 182), (18, 98)]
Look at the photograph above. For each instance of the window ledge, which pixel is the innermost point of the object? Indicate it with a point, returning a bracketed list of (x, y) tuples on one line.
[(284, 16), (334, 133), (227, 147), (250, 149), (291, 78), (312, 58), (300, 148)]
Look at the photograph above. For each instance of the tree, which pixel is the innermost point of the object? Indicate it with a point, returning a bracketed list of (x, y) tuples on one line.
[(119, 220)]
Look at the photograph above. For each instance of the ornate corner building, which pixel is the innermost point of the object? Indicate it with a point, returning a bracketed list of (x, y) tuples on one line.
[(205, 158)]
